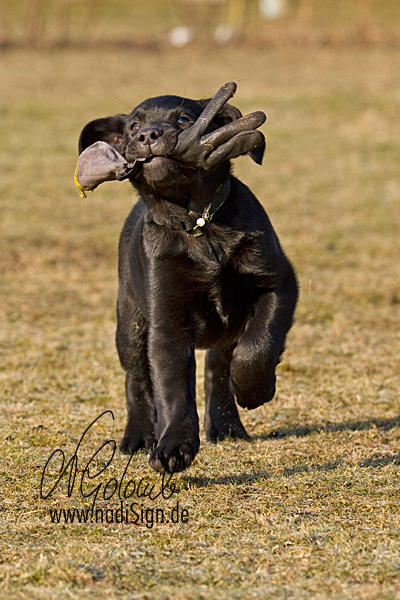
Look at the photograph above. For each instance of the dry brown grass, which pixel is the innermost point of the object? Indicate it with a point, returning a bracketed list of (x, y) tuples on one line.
[(309, 508)]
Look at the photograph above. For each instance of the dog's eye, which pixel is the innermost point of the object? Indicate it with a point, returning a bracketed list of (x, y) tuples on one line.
[(135, 126), (183, 120)]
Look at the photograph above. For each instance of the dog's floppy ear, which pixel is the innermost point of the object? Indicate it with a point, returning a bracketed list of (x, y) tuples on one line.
[(229, 113), (108, 129)]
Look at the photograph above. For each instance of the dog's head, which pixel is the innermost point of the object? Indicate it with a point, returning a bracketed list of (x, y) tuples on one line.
[(150, 133)]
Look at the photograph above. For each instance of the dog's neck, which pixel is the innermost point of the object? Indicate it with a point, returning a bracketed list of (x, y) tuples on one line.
[(184, 208)]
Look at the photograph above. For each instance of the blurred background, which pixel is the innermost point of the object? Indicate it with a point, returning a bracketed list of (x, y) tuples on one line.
[(179, 22)]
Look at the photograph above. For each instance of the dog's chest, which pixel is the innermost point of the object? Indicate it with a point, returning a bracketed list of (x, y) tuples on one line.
[(208, 280), (223, 294)]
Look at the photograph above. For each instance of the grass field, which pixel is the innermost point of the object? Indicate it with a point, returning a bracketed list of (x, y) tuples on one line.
[(310, 507)]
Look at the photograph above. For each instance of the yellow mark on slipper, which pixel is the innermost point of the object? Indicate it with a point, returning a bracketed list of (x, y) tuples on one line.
[(82, 191)]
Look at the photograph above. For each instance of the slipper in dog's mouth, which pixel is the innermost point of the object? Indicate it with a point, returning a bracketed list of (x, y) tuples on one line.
[(101, 162)]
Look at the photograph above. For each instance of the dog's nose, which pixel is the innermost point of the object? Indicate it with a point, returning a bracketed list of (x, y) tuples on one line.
[(149, 135)]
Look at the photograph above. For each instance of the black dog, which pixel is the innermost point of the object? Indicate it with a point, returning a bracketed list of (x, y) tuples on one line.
[(200, 266)]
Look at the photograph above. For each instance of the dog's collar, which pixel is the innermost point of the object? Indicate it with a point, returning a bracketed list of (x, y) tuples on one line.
[(221, 195), (190, 220)]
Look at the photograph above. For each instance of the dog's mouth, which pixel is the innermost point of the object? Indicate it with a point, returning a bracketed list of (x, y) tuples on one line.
[(155, 167), (161, 171), (159, 159)]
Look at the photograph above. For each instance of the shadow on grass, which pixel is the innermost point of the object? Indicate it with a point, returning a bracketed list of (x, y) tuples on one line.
[(384, 424), (329, 466), (375, 462), (380, 461), (287, 472), (224, 480)]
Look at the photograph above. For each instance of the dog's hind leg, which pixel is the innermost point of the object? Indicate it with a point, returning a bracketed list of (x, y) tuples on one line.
[(132, 349), (221, 417)]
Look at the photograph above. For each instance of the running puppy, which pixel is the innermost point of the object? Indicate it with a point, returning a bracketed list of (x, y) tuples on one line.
[(200, 266)]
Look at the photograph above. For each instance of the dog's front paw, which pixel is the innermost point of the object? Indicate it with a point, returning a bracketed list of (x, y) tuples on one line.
[(172, 456), (131, 443), (254, 396)]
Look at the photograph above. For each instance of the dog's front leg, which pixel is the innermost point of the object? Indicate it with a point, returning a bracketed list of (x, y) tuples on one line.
[(257, 353), (173, 371)]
